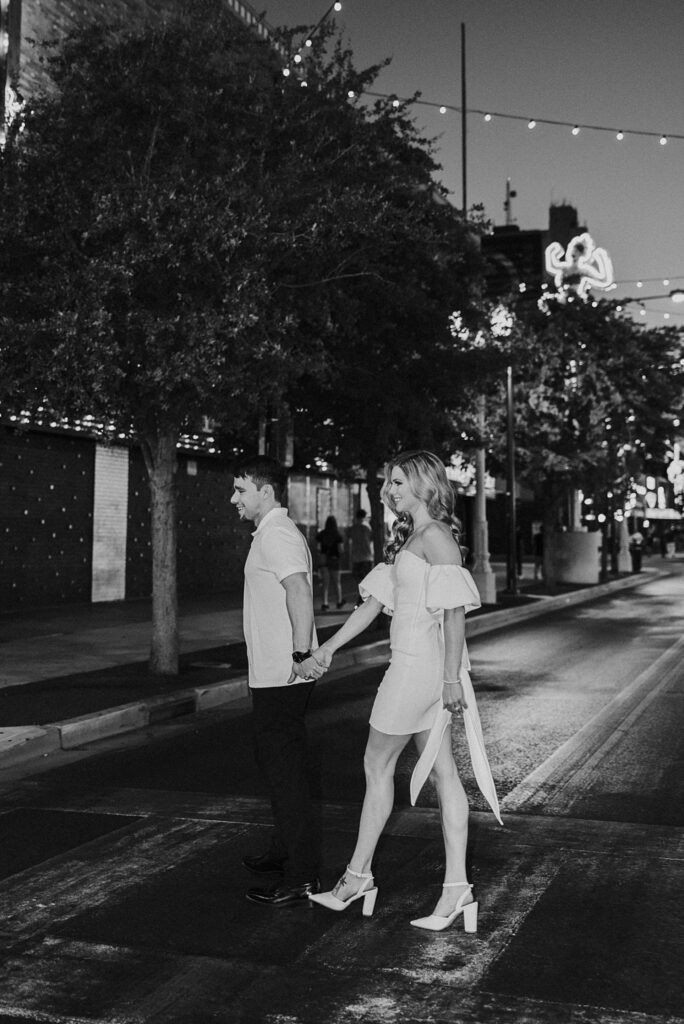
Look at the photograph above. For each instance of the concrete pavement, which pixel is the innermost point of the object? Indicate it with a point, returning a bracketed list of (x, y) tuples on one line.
[(122, 899)]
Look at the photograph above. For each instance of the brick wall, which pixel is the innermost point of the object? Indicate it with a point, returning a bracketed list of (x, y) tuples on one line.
[(212, 543), (46, 502), (50, 553)]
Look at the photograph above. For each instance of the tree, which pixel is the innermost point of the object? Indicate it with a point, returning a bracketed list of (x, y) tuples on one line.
[(167, 211), (595, 397), (392, 377)]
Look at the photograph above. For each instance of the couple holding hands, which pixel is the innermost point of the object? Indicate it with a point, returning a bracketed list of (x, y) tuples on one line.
[(426, 589)]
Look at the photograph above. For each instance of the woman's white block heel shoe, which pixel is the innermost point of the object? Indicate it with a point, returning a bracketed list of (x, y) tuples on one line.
[(435, 923), (368, 892)]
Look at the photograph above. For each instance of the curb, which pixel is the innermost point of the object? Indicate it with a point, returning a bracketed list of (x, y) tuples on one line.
[(20, 744)]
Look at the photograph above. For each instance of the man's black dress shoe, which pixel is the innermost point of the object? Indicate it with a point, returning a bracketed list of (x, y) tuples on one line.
[(264, 864), (284, 895)]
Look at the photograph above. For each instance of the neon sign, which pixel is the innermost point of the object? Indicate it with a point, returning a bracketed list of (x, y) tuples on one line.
[(582, 266)]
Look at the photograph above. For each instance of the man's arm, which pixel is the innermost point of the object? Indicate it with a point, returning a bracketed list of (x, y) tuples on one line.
[(299, 601)]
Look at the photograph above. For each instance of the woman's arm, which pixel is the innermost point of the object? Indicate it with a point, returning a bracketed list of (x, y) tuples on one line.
[(359, 620), (454, 640), (440, 548)]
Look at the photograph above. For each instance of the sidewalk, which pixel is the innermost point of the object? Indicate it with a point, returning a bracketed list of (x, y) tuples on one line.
[(71, 676)]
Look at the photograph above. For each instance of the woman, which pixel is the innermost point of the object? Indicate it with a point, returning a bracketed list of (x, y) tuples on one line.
[(330, 542), (425, 587)]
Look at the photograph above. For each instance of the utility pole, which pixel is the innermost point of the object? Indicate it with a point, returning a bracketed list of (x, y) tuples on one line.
[(482, 570)]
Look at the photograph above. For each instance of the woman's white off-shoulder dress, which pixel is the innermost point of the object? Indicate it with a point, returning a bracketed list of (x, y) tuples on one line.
[(416, 593), (409, 698)]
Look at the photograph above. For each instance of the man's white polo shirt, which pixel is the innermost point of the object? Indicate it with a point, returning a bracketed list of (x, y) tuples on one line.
[(278, 550)]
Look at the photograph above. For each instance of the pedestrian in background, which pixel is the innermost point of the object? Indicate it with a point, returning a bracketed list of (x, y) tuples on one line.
[(279, 631), (636, 544), (361, 539), (423, 583), (330, 542), (538, 553)]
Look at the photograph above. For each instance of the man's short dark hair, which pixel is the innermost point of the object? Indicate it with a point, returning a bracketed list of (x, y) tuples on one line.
[(262, 469), (361, 513)]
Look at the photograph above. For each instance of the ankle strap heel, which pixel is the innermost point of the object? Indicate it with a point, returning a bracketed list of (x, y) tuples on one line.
[(357, 874)]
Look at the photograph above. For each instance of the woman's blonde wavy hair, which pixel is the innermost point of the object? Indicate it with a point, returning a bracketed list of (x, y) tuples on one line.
[(427, 479)]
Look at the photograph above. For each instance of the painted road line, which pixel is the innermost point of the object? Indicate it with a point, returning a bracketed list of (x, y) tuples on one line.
[(546, 786)]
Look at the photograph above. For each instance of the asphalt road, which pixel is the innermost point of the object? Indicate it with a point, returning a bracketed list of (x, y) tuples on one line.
[(122, 899)]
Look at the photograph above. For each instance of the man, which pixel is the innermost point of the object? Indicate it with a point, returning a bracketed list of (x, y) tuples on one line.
[(280, 635), (361, 539)]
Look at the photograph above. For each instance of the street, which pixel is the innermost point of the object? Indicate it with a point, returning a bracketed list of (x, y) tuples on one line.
[(123, 893)]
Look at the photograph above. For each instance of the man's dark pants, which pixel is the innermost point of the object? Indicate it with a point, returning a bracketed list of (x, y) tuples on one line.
[(281, 753)]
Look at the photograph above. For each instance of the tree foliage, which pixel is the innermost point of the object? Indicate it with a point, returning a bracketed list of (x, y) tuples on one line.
[(595, 397), (186, 232)]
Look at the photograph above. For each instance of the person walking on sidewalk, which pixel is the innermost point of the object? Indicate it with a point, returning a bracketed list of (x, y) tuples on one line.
[(424, 585), (279, 631), (330, 542)]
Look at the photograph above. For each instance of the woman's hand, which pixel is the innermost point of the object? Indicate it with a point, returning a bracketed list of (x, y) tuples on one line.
[(324, 656), (453, 697)]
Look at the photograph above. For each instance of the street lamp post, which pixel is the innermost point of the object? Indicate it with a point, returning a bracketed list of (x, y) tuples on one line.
[(512, 560)]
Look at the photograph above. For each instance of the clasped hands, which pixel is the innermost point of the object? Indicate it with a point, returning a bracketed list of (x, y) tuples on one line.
[(314, 667)]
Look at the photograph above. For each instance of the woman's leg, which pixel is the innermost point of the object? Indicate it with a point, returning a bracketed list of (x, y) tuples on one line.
[(453, 810), (380, 759), (337, 582), (325, 579)]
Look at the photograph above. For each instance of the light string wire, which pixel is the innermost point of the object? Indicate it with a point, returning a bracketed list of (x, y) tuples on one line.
[(532, 122)]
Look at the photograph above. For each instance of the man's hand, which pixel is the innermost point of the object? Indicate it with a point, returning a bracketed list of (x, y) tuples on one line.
[(309, 669)]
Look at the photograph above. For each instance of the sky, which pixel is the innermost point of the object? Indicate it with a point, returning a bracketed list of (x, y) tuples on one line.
[(613, 63)]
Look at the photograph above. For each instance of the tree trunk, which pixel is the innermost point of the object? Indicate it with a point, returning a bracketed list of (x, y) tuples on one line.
[(551, 501), (160, 459), (377, 510)]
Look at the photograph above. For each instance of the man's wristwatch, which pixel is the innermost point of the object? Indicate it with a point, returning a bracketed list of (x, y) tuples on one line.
[(299, 656)]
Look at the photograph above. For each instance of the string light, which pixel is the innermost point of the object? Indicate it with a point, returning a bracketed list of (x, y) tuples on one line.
[(532, 124), (641, 281), (575, 126)]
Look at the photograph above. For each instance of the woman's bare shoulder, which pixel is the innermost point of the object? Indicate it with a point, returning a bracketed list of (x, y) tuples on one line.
[(439, 546)]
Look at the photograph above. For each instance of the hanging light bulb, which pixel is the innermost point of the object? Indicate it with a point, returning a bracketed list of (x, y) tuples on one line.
[(298, 58), (304, 84), (442, 110), (351, 94), (666, 281), (488, 117), (576, 130), (337, 6), (395, 103), (640, 284), (663, 140), (620, 136), (286, 72), (309, 42), (531, 124)]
